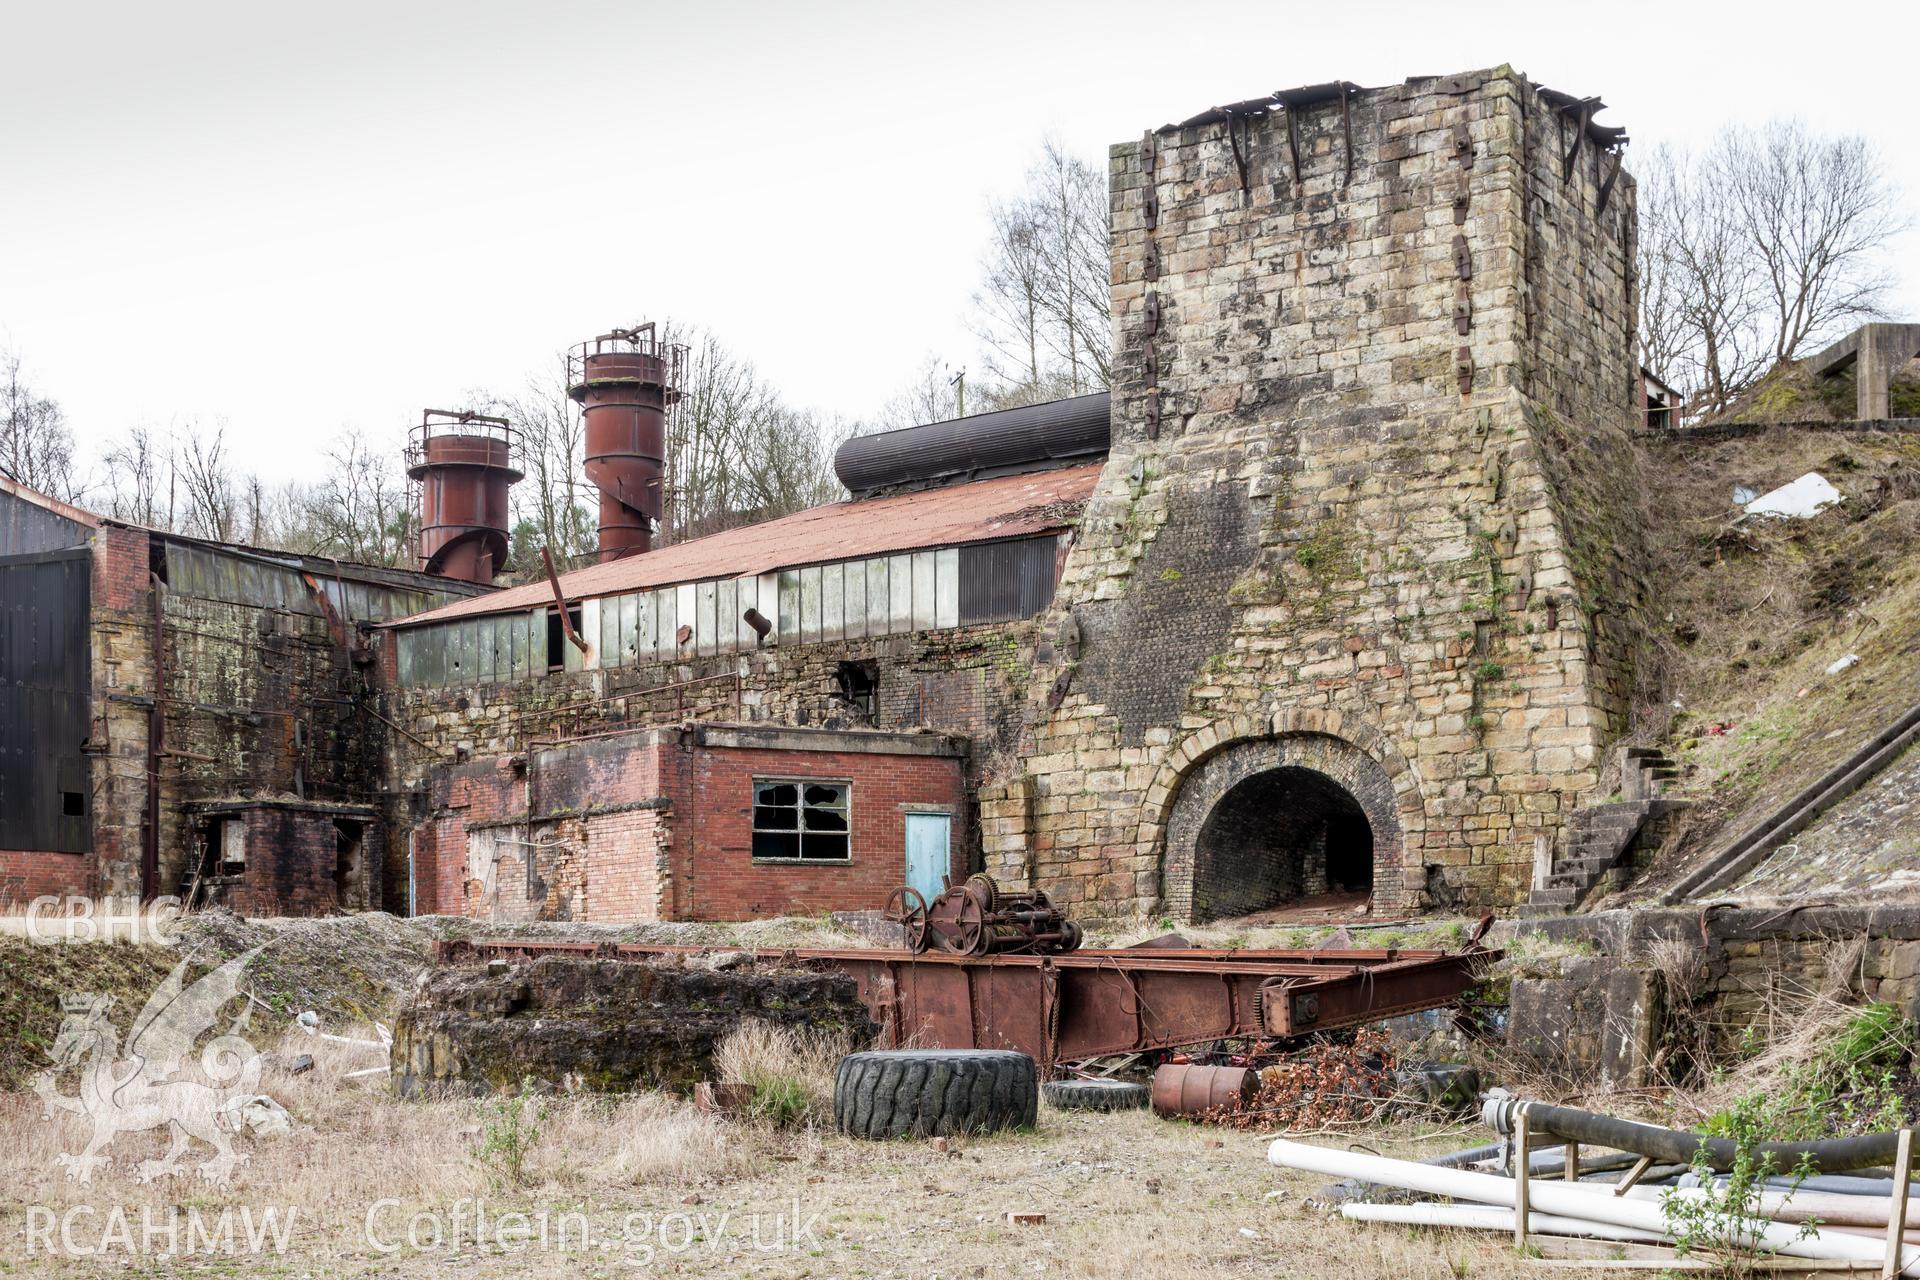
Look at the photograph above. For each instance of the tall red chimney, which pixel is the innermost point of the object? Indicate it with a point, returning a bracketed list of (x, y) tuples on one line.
[(625, 382)]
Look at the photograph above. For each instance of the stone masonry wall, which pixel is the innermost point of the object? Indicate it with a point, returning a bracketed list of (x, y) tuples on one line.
[(1625, 985), (1421, 568), (957, 681), (121, 634)]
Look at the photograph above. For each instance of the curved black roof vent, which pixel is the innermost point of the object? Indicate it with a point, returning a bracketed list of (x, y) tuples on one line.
[(1032, 437)]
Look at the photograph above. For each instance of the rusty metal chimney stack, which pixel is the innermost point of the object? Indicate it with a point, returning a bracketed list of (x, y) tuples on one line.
[(625, 382), (463, 465)]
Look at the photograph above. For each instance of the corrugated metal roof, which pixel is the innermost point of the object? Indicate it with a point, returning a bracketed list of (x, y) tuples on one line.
[(1006, 507)]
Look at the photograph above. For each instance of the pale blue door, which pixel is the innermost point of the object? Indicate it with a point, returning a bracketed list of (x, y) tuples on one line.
[(928, 852)]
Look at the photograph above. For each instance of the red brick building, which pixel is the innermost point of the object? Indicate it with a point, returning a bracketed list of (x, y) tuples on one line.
[(700, 822)]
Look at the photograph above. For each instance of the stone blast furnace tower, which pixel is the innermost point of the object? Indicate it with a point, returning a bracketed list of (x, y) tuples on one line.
[(463, 464), (625, 382), (1355, 606)]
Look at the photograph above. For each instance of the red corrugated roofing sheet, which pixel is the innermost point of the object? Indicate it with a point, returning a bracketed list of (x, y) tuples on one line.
[(1005, 507)]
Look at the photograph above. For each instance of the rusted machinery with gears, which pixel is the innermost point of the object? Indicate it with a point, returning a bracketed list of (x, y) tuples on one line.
[(979, 918)]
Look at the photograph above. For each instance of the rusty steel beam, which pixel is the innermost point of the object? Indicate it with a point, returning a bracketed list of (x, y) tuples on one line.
[(1086, 1004), (560, 600)]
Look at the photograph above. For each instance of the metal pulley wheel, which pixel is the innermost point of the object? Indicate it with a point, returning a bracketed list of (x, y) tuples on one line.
[(906, 908)]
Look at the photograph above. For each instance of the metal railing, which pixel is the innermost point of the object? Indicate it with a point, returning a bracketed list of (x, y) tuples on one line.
[(643, 341), (438, 423)]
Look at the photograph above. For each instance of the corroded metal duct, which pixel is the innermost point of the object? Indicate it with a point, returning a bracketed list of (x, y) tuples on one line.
[(986, 444)]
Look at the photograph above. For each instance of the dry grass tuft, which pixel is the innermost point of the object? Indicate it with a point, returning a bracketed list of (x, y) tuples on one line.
[(1846, 963), (662, 1140), (789, 1070)]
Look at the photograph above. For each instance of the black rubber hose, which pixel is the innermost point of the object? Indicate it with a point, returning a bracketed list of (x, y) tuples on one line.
[(1677, 1146)]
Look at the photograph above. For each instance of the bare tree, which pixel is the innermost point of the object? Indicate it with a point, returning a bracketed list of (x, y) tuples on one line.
[(36, 445), (1753, 252), (1010, 314), (139, 469), (1816, 213), (554, 506), (1042, 309), (1072, 197), (361, 511), (212, 503), (735, 452), (933, 394), (1664, 332)]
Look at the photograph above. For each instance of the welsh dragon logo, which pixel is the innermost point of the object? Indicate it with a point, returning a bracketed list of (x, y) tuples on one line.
[(134, 1091)]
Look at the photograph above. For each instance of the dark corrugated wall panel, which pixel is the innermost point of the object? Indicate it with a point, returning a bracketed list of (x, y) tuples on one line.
[(26, 528), (1004, 581), (44, 796), (208, 573)]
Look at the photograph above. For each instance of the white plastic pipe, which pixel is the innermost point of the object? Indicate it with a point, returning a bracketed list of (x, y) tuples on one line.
[(1568, 1199), (1487, 1218), (1802, 1206)]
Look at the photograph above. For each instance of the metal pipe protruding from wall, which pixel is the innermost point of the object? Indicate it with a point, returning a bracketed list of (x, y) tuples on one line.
[(464, 464), (626, 381)]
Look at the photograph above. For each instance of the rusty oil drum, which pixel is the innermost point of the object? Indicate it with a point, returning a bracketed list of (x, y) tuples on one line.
[(1186, 1089)]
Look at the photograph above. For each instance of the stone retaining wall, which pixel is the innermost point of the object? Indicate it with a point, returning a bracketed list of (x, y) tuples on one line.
[(1603, 1012)]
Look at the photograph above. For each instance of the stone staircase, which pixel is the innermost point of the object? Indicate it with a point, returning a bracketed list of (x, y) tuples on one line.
[(1600, 836)]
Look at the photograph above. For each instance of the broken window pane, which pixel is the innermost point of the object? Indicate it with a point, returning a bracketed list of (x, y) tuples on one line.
[(776, 844), (825, 820), (825, 847), (804, 820)]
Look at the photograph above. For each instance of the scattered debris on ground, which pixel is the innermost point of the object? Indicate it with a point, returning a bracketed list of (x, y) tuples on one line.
[(1808, 496)]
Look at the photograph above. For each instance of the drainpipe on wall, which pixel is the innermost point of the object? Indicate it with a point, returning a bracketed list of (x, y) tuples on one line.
[(156, 744)]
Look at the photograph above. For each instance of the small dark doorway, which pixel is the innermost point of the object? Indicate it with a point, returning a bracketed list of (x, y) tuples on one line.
[(557, 636), (349, 839), (859, 687), (1282, 836)]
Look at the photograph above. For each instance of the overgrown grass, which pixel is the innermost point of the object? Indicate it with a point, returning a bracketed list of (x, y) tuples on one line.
[(661, 1140), (1848, 1083), (788, 1071)]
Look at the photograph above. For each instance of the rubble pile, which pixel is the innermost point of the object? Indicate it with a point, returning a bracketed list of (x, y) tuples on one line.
[(600, 1025)]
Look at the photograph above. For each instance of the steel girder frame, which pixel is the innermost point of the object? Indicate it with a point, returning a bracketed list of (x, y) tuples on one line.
[(1088, 1004)]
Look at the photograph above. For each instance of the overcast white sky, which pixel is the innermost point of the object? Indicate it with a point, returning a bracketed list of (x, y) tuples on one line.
[(299, 217)]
